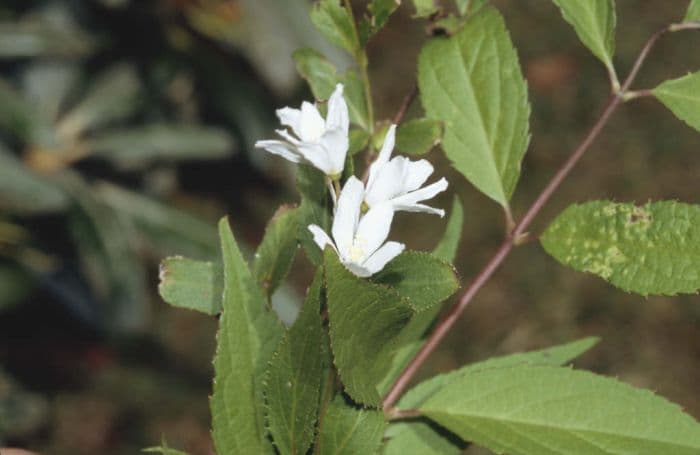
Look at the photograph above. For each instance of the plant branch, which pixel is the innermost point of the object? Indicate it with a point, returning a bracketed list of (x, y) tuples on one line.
[(405, 104), (518, 233)]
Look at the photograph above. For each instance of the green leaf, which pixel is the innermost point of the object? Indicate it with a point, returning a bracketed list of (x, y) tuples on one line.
[(419, 277), (425, 8), (294, 379), (594, 22), (276, 252), (449, 244), (248, 334), (195, 285), (334, 22), (138, 147), (47, 33), (420, 438), (419, 136), (18, 116), (365, 319), (554, 356), (164, 449), (25, 192), (528, 410), (649, 249), (682, 98), (112, 97), (378, 13), (347, 430), (693, 13), (322, 78), (466, 7), (313, 209), (473, 83)]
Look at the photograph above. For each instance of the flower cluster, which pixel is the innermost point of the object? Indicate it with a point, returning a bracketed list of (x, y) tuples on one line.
[(363, 211)]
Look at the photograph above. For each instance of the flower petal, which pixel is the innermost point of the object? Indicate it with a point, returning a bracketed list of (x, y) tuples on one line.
[(282, 149), (290, 117), (417, 172), (382, 256), (383, 156), (373, 228), (320, 237), (317, 155), (388, 182), (311, 124), (337, 116), (411, 199), (347, 214), (336, 144), (419, 208)]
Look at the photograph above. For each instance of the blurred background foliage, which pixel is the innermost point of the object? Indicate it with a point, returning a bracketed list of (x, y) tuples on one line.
[(127, 130)]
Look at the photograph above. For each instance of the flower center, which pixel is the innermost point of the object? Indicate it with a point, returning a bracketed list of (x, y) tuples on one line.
[(356, 253)]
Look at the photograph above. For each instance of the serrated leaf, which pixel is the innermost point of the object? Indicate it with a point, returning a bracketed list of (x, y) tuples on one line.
[(365, 319), (681, 97), (378, 13), (554, 356), (313, 209), (195, 285), (528, 410), (693, 13), (425, 8), (322, 78), (248, 334), (449, 244), (24, 192), (138, 147), (334, 22), (473, 83), (419, 277), (594, 22), (294, 378), (276, 252), (420, 438), (419, 136), (113, 96), (649, 249), (348, 430)]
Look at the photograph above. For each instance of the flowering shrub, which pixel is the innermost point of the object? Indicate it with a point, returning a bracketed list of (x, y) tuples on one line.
[(336, 381)]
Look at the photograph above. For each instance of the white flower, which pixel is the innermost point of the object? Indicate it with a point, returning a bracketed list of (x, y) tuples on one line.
[(359, 241), (320, 143), (398, 181)]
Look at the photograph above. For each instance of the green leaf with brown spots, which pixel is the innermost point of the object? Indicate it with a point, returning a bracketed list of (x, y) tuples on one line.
[(650, 249)]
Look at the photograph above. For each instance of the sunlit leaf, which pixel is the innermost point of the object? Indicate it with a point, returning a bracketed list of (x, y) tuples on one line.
[(681, 97), (191, 284), (531, 410), (693, 13), (594, 22), (449, 244), (473, 83), (334, 22), (419, 136), (648, 249)]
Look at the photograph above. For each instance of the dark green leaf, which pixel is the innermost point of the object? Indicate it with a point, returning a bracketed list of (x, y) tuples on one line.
[(473, 83), (419, 136), (248, 334), (347, 430), (195, 285), (419, 277), (418, 437), (532, 410), (649, 249), (312, 210), (276, 252), (365, 319), (294, 378), (449, 244)]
